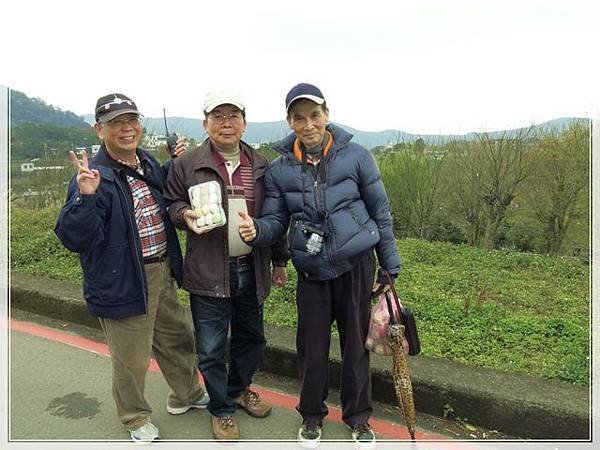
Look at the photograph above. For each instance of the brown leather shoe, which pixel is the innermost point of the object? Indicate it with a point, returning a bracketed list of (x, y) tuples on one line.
[(251, 402), (225, 428)]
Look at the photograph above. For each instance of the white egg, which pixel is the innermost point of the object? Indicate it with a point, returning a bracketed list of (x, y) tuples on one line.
[(200, 221), (205, 209)]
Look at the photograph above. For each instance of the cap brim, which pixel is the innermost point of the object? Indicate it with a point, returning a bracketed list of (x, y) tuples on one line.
[(314, 98), (212, 106), (112, 114)]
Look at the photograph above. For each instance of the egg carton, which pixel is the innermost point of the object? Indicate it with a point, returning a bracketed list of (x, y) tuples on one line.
[(206, 200)]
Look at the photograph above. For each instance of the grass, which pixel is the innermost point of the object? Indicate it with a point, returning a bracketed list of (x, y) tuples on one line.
[(519, 312)]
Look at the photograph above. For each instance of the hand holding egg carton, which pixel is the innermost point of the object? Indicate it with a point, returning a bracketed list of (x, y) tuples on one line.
[(206, 200)]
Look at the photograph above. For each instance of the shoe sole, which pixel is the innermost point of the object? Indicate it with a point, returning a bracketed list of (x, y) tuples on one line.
[(145, 442), (369, 446), (224, 440), (183, 410), (308, 444)]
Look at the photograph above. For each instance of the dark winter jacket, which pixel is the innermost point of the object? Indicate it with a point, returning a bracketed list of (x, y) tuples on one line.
[(344, 200), (102, 229)]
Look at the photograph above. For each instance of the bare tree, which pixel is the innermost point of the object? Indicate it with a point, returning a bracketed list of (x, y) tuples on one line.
[(463, 185), (557, 191), (505, 165), (484, 177)]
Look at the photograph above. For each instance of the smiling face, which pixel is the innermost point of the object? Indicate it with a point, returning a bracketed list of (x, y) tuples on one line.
[(225, 125), (122, 134), (308, 120)]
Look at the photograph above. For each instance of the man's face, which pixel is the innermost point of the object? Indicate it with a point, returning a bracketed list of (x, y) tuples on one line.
[(121, 134), (308, 120), (225, 125)]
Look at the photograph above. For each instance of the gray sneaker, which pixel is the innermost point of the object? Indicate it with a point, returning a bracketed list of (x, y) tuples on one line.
[(201, 403), (363, 436), (309, 435), (145, 434)]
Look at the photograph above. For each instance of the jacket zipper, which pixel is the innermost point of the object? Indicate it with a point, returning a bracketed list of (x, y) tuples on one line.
[(327, 246), (225, 204)]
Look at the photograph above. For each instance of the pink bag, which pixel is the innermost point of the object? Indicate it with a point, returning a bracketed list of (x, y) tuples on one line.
[(378, 338)]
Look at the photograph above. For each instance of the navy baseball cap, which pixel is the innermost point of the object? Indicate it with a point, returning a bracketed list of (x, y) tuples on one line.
[(304, 90), (113, 105)]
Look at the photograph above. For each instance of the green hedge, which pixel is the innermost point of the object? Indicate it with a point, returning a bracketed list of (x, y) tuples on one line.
[(519, 312)]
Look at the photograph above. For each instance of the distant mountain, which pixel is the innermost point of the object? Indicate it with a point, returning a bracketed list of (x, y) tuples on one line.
[(256, 132), (24, 109), (260, 132)]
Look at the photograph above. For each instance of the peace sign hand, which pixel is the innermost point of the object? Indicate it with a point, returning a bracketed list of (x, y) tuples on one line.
[(88, 179)]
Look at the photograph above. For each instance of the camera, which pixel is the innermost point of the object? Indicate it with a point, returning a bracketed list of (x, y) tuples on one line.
[(314, 244)]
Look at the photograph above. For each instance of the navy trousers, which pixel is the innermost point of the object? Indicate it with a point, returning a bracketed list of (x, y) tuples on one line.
[(212, 317), (345, 299)]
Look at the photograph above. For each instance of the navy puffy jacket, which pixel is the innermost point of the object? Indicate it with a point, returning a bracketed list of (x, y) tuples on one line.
[(346, 201)]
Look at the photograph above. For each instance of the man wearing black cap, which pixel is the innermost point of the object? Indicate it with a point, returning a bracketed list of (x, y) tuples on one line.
[(116, 219), (329, 191)]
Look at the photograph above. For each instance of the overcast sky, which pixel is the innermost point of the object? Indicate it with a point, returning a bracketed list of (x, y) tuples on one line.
[(448, 66)]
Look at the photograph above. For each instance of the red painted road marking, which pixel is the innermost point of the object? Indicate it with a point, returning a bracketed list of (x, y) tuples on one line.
[(387, 430)]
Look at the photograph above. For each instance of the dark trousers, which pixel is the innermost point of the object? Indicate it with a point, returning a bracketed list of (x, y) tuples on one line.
[(346, 300), (212, 317)]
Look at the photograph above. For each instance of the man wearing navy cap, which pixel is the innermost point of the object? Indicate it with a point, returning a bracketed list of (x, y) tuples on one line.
[(116, 219), (329, 192)]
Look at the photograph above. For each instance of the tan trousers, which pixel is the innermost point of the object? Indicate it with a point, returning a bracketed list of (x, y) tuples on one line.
[(167, 331)]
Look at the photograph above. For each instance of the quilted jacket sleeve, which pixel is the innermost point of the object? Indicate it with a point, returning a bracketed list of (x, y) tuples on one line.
[(274, 218), (373, 194)]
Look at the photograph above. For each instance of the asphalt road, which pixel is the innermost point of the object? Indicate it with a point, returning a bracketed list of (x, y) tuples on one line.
[(60, 391)]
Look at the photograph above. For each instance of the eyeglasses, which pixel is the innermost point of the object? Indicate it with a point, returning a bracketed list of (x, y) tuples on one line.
[(221, 118), (124, 121)]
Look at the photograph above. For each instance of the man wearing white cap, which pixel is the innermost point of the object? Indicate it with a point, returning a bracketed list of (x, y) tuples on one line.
[(227, 281)]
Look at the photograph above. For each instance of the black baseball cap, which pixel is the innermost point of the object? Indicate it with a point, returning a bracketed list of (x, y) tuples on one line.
[(113, 105), (304, 90)]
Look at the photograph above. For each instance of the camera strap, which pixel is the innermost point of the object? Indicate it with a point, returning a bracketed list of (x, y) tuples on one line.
[(111, 164)]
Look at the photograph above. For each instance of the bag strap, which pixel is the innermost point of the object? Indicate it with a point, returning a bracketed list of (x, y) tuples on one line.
[(132, 173), (388, 301), (394, 297)]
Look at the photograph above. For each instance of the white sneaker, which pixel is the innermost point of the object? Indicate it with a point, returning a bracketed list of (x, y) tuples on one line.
[(145, 434), (201, 403)]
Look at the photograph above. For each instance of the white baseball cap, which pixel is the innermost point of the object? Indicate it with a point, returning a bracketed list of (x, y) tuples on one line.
[(223, 97)]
